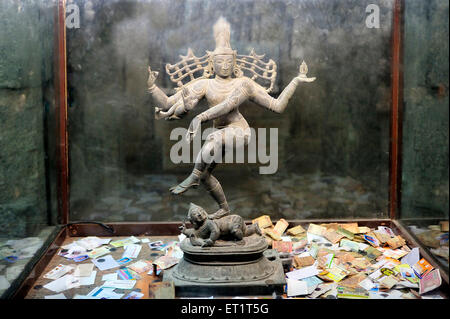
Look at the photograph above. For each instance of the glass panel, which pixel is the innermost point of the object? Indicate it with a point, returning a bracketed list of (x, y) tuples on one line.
[(425, 189), (27, 137), (333, 138)]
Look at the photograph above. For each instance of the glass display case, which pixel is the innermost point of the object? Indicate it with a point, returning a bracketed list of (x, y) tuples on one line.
[(82, 154), (28, 128), (424, 180)]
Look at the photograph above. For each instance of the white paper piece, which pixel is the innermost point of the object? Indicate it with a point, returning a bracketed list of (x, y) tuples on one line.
[(58, 296), (77, 296), (386, 230), (133, 239), (305, 254), (73, 250), (104, 241), (322, 288), (107, 277), (73, 246), (286, 238), (134, 295), (181, 237), (296, 287), (4, 283), (63, 283), (146, 240), (121, 284), (367, 284), (113, 295), (406, 284), (395, 294), (98, 252), (362, 246), (132, 251), (58, 272), (376, 275), (392, 294), (105, 262), (390, 264), (83, 270), (394, 253), (317, 239), (91, 242), (303, 273), (412, 258), (175, 252), (432, 296), (379, 264), (100, 293), (89, 280)]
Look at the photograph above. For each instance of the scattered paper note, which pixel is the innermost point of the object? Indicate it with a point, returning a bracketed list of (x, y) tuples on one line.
[(83, 270), (58, 296), (89, 280), (105, 262), (58, 272), (303, 273), (296, 287), (119, 284), (132, 251), (63, 283), (109, 277)]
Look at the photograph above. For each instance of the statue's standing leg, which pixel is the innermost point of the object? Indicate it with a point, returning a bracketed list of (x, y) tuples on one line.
[(214, 188), (202, 171), (213, 142)]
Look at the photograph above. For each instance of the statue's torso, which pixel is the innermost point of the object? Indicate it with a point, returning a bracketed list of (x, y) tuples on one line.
[(217, 90)]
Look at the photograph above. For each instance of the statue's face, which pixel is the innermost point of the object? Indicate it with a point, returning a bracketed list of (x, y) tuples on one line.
[(196, 216), (223, 65)]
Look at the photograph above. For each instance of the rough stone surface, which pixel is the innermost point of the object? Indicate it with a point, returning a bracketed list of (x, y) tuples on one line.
[(26, 58)]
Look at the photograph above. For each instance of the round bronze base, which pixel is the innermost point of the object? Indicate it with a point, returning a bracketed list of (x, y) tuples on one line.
[(240, 268)]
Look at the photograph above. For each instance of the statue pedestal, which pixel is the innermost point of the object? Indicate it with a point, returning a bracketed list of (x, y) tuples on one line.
[(228, 268)]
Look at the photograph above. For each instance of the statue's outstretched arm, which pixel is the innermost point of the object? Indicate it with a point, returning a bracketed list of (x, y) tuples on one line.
[(163, 102), (261, 97), (177, 105)]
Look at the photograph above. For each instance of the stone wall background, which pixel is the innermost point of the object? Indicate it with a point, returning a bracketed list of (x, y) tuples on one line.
[(26, 107), (338, 125), (425, 186)]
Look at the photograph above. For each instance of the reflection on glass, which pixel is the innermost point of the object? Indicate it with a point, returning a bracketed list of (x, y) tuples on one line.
[(27, 141), (333, 137), (425, 189)]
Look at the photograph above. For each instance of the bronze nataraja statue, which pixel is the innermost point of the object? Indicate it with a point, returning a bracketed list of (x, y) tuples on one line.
[(224, 84)]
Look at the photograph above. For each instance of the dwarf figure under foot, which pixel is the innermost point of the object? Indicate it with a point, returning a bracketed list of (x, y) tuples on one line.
[(206, 231)]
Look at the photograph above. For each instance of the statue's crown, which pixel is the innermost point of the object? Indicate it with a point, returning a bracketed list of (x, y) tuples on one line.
[(222, 37)]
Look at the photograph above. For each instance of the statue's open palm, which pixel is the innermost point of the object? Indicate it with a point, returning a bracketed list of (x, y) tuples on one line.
[(152, 75)]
